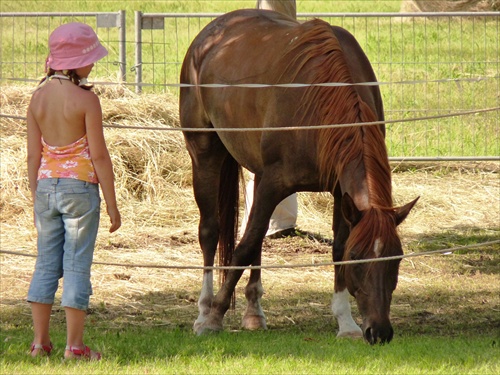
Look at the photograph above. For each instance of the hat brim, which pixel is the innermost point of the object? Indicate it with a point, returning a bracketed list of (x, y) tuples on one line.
[(60, 63)]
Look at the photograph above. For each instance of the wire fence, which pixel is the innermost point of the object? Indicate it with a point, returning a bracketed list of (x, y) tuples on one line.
[(446, 251), (25, 39), (428, 65)]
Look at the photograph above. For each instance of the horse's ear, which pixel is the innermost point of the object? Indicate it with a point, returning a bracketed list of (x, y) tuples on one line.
[(349, 210), (403, 211)]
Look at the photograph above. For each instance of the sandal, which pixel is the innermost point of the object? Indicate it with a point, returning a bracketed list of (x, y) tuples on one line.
[(84, 353), (43, 350)]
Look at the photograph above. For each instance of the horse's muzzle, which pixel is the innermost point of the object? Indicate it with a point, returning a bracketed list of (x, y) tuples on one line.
[(378, 333)]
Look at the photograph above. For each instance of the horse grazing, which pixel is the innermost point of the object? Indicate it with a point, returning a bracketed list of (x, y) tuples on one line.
[(259, 46)]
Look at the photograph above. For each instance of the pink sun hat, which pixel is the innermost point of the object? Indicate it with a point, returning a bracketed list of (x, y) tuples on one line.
[(74, 45)]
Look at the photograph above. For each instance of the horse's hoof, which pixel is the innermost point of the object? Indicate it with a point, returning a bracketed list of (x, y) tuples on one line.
[(199, 323), (351, 334), (253, 322), (197, 327), (207, 326)]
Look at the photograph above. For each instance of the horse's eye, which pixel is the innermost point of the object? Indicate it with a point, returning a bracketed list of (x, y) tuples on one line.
[(352, 255)]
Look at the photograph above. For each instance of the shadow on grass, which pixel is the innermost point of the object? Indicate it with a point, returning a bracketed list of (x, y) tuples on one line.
[(480, 259), (429, 310), (432, 326)]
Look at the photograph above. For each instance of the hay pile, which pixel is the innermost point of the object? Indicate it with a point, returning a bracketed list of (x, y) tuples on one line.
[(152, 168), (450, 6)]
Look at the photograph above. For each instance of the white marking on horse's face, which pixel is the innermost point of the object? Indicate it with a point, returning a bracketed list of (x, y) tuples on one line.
[(377, 247)]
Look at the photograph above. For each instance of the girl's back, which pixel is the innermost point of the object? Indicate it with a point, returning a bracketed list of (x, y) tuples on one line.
[(59, 107)]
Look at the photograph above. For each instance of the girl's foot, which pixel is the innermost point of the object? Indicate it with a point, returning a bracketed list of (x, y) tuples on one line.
[(84, 352), (40, 350)]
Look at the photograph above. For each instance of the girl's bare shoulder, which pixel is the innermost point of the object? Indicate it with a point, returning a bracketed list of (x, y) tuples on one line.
[(83, 98), (66, 91)]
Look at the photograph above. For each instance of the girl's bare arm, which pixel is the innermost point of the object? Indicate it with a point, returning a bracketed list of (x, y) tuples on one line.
[(100, 157), (34, 151)]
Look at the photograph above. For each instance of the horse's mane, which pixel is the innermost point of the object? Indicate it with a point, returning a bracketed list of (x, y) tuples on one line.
[(318, 48)]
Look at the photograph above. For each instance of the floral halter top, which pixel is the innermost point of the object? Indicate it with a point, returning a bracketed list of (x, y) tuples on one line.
[(70, 161)]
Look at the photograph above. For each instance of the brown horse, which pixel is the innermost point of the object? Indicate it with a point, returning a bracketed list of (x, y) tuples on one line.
[(260, 46)]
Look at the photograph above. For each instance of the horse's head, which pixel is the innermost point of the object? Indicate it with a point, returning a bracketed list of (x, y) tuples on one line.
[(373, 235)]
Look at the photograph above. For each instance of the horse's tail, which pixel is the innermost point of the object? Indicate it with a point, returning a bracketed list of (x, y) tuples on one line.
[(228, 208)]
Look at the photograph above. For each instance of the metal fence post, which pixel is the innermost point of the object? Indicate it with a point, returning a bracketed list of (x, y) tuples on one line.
[(122, 40), (138, 51)]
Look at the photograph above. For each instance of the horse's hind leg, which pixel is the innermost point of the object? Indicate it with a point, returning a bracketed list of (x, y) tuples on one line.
[(207, 154), (254, 317), (341, 306)]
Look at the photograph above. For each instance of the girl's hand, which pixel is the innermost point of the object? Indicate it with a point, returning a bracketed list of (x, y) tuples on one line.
[(115, 218)]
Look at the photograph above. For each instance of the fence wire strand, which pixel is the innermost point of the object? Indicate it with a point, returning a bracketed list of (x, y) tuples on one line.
[(288, 128), (280, 85), (282, 266)]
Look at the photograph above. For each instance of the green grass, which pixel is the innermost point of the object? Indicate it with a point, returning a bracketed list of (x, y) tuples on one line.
[(174, 351), (190, 6), (445, 313)]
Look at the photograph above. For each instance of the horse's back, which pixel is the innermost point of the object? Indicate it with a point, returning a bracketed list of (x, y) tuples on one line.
[(249, 46), (238, 43)]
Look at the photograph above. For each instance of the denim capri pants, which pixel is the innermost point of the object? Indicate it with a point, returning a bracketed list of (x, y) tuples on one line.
[(67, 213)]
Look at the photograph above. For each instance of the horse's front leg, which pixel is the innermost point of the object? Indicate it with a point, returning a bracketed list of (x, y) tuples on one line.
[(248, 252), (341, 306), (205, 300), (244, 255)]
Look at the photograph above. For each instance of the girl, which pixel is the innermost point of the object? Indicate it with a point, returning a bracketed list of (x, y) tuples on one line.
[(67, 159)]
